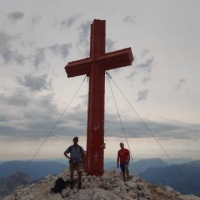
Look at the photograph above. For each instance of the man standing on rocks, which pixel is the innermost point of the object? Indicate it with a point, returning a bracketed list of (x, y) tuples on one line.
[(123, 159), (77, 155)]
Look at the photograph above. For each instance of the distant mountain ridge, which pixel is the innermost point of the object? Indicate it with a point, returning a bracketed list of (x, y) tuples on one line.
[(178, 160), (181, 177), (155, 171), (40, 168), (144, 164), (36, 170), (8, 184), (140, 165)]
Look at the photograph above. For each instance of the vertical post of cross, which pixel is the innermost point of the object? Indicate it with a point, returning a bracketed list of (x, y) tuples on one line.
[(95, 129)]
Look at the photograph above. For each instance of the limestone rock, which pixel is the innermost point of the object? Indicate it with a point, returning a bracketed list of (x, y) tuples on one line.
[(109, 186)]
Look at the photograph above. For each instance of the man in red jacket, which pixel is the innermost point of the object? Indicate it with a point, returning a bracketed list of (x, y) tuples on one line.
[(123, 159)]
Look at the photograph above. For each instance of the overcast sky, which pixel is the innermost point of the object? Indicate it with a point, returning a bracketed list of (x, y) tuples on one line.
[(37, 40)]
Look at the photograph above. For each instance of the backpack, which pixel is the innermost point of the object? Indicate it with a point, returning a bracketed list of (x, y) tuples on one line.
[(59, 185)]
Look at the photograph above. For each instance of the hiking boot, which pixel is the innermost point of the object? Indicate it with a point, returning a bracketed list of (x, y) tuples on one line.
[(79, 185), (71, 185)]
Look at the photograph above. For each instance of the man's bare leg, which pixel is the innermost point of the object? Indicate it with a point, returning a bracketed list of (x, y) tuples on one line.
[(127, 172), (124, 178), (72, 179), (79, 179)]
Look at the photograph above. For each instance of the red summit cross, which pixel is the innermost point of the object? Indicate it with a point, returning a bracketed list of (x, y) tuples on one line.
[(94, 67)]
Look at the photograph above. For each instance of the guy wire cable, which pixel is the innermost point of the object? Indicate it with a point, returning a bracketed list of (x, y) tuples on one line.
[(53, 126), (193, 189), (108, 76)]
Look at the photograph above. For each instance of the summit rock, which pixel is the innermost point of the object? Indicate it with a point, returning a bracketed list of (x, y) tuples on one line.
[(107, 187)]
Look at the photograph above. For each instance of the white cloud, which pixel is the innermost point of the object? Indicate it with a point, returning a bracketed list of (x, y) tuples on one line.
[(16, 15), (130, 19), (5, 51), (70, 21), (180, 83), (83, 41), (39, 57), (18, 98), (35, 90), (35, 83), (142, 95), (147, 65)]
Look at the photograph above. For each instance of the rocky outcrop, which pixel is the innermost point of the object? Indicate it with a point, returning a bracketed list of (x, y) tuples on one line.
[(108, 187), (7, 185)]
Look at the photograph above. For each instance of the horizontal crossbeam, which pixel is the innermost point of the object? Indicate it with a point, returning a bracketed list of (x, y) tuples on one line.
[(115, 59)]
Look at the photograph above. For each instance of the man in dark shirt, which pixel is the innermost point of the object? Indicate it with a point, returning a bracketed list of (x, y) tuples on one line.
[(76, 157)]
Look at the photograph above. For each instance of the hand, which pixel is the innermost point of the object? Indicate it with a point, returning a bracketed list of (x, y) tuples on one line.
[(69, 157)]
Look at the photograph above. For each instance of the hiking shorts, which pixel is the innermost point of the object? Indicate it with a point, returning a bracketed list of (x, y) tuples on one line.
[(123, 166), (76, 167)]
